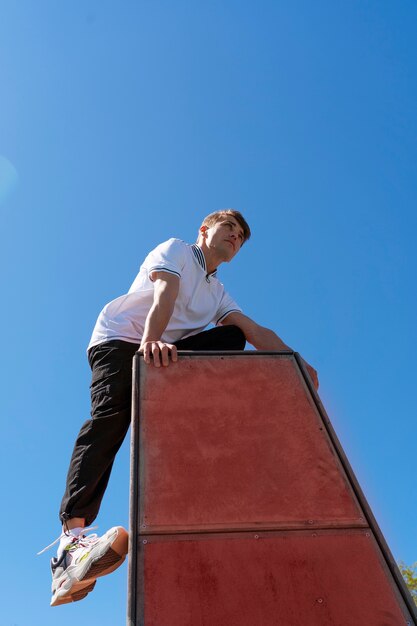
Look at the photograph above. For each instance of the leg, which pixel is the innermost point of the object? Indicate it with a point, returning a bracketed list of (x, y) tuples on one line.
[(218, 338), (76, 569), (100, 437)]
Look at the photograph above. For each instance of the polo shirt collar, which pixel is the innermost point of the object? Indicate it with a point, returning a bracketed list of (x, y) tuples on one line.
[(198, 253)]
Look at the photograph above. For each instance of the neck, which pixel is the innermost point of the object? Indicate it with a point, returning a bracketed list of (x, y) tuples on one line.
[(212, 259)]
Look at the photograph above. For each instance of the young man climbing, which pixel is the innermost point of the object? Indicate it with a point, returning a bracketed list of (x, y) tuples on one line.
[(175, 296)]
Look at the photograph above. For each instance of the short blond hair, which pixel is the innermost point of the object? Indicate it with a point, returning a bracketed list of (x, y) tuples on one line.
[(215, 217)]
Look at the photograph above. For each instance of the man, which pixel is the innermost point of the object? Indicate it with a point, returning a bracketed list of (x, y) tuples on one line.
[(175, 296)]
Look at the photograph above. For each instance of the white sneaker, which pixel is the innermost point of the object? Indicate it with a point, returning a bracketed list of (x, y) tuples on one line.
[(85, 559)]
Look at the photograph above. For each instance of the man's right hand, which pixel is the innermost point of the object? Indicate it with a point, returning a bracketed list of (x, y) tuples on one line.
[(159, 351)]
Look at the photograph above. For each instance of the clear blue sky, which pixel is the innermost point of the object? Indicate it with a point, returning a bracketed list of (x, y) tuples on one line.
[(123, 124)]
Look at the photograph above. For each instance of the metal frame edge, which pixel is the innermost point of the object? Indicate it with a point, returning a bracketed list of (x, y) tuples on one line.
[(373, 524)]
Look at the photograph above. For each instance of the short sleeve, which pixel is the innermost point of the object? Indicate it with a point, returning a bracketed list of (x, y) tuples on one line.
[(227, 305), (169, 256)]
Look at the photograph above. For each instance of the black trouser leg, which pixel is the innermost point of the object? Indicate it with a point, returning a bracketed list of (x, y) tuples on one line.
[(218, 338), (101, 437)]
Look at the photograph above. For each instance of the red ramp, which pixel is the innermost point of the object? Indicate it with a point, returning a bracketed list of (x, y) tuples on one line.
[(244, 509)]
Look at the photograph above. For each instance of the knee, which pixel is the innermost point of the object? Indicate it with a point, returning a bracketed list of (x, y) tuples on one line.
[(236, 339)]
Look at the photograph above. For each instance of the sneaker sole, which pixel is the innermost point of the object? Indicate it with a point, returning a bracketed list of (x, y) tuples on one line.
[(104, 563), (75, 595)]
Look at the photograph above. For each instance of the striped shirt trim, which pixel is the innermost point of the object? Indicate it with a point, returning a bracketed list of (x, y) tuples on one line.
[(162, 269), (198, 253), (226, 314)]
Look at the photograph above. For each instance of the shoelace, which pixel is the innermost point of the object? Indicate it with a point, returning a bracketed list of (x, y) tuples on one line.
[(85, 540), (81, 539)]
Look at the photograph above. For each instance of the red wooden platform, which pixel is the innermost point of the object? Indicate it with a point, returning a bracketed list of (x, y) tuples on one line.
[(244, 509)]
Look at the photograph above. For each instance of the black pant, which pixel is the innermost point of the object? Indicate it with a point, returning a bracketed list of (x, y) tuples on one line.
[(101, 436)]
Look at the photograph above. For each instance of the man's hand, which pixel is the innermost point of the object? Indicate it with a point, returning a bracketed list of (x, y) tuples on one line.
[(160, 352)]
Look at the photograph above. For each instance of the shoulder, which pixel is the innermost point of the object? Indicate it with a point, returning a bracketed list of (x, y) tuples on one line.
[(171, 247), (172, 243), (170, 255)]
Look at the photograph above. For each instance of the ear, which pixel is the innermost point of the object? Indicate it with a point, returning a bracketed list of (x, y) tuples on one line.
[(203, 229)]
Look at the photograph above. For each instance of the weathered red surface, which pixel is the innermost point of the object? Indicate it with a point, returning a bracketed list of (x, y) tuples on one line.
[(237, 443), (335, 578)]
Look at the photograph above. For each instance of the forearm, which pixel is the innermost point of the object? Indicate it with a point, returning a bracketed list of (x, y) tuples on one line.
[(157, 321), (258, 336), (263, 338), (165, 295)]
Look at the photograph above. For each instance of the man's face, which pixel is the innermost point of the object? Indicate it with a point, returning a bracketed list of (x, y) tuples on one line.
[(225, 237)]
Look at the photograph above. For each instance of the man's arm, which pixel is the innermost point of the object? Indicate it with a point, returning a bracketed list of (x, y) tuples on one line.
[(258, 336), (165, 294), (262, 338)]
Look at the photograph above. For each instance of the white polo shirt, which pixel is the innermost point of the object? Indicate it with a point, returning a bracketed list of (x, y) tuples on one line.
[(201, 300)]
